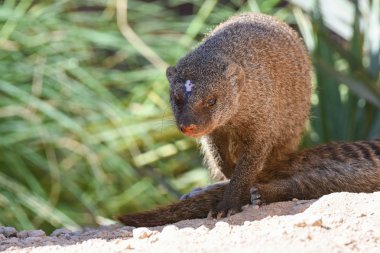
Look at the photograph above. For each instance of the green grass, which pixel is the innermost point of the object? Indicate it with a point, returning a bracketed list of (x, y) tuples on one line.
[(85, 125)]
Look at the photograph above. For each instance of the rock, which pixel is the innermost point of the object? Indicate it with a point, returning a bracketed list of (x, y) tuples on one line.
[(22, 234), (187, 231), (61, 231), (8, 231), (30, 233), (141, 233), (221, 224), (247, 223), (169, 229), (31, 240), (37, 233), (76, 233), (202, 230)]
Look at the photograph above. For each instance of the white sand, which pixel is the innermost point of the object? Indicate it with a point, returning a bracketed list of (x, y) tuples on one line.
[(339, 222)]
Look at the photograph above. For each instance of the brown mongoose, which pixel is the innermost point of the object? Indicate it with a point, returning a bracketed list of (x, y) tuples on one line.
[(245, 90)]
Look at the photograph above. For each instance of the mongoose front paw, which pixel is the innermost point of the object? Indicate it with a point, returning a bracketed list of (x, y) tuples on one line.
[(255, 196)]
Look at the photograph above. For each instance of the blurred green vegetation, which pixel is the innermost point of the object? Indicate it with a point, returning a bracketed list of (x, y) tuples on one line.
[(86, 128)]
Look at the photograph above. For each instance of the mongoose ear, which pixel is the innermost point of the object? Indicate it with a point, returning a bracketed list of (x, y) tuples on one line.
[(235, 74), (170, 73)]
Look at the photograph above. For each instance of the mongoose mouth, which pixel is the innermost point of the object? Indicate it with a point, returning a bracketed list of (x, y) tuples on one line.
[(195, 133)]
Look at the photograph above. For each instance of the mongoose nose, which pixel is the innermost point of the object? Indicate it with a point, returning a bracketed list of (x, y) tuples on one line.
[(188, 129)]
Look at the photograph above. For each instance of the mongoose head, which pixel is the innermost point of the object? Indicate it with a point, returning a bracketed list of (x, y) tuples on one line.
[(204, 92)]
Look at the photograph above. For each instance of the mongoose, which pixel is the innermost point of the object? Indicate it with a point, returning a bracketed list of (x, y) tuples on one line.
[(245, 90)]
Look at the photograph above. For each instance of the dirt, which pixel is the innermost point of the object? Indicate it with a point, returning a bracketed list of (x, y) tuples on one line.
[(339, 222)]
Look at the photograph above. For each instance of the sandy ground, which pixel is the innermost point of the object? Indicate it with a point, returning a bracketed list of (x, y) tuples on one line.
[(339, 222)]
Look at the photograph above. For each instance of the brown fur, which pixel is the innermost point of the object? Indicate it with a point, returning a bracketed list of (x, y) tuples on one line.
[(250, 102), (306, 174), (258, 71)]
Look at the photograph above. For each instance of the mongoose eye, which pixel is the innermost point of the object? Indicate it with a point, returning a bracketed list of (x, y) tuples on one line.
[(211, 101)]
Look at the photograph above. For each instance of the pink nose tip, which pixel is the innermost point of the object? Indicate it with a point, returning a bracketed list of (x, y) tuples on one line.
[(188, 129)]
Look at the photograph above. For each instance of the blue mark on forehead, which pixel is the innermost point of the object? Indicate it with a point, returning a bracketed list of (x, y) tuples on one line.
[(188, 86)]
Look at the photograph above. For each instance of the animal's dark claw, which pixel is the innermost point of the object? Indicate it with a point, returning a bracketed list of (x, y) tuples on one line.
[(224, 210), (255, 196)]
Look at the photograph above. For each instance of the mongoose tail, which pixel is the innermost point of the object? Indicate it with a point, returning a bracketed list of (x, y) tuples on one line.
[(192, 208), (312, 173), (306, 174)]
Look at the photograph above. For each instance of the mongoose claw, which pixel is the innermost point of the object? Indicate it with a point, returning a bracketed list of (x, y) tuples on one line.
[(222, 214), (231, 212), (255, 196), (227, 213), (215, 215), (224, 210)]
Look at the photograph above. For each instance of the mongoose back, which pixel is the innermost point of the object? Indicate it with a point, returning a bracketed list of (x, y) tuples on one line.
[(245, 90)]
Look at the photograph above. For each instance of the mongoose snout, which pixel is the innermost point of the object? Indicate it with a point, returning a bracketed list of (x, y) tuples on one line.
[(195, 131), (189, 129)]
